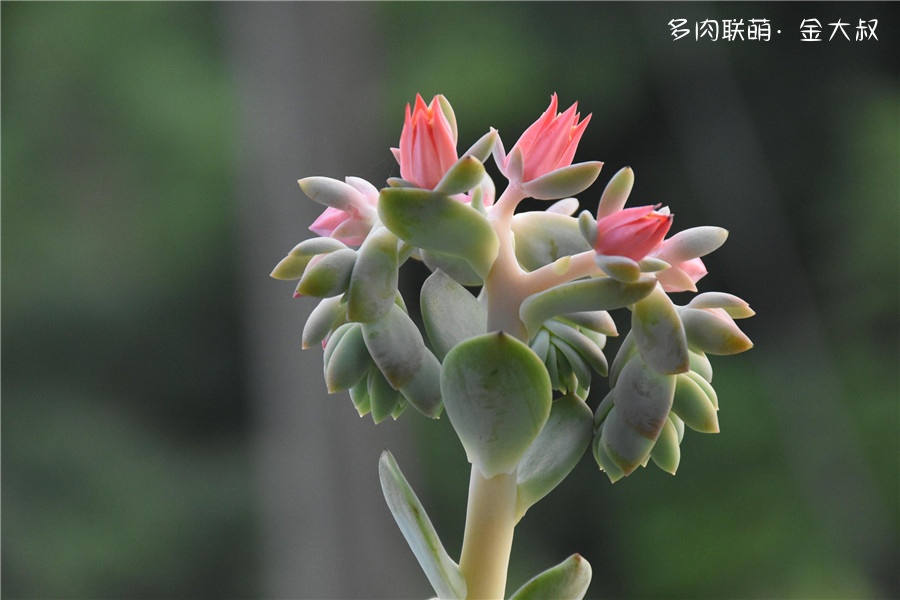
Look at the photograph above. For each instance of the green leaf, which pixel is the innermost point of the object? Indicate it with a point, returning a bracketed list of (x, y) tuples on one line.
[(643, 397), (462, 176), (543, 237), (712, 334), (455, 267), (424, 390), (329, 275), (451, 314), (568, 580), (563, 182), (348, 360), (693, 405), (616, 193), (373, 281), (555, 452), (292, 266), (396, 346), (382, 397), (434, 221), (666, 453), (659, 333), (325, 317), (603, 460), (483, 147), (601, 293), (497, 395), (442, 572), (626, 447)]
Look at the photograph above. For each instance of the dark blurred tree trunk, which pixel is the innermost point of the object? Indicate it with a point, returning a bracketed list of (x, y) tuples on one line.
[(307, 78)]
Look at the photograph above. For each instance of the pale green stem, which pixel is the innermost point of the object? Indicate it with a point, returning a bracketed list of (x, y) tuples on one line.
[(504, 284), (563, 270), (487, 542), (491, 512)]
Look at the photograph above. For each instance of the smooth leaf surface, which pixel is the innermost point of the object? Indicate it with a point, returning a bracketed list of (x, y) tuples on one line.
[(568, 580), (434, 221), (373, 281), (442, 572), (555, 451), (601, 293), (643, 397), (450, 313), (396, 346), (659, 333), (497, 395), (543, 237)]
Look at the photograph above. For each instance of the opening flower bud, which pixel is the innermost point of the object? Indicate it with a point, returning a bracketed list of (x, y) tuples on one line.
[(632, 232)]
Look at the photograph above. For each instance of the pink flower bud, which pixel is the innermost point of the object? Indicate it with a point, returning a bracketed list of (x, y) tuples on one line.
[(632, 232), (352, 224), (427, 144), (548, 144)]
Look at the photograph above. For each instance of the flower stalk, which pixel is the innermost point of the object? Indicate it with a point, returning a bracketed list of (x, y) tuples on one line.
[(488, 537)]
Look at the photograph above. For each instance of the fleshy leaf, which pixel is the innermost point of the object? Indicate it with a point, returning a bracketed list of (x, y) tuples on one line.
[(396, 346), (333, 193), (624, 446), (694, 406), (465, 174), (382, 397), (451, 314), (714, 333), (666, 453), (328, 275), (497, 395), (602, 293), (423, 391), (563, 182), (619, 267), (603, 460), (348, 360), (543, 237), (373, 281), (643, 398), (693, 243), (293, 265), (324, 318), (455, 267), (734, 306), (569, 579), (442, 572), (483, 147), (434, 221), (659, 333), (616, 193), (555, 451)]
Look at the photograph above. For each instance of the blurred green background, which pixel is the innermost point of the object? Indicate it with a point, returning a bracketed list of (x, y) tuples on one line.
[(154, 439)]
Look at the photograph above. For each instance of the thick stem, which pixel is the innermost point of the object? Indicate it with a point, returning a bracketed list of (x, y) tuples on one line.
[(503, 285), (490, 521)]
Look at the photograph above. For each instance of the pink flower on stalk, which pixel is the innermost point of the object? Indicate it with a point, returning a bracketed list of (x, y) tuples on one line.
[(547, 145), (632, 232), (427, 144)]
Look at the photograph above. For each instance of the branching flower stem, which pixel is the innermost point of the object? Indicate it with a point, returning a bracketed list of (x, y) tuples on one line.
[(490, 516)]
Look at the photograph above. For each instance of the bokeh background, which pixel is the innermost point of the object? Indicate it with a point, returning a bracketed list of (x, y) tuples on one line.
[(163, 435)]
